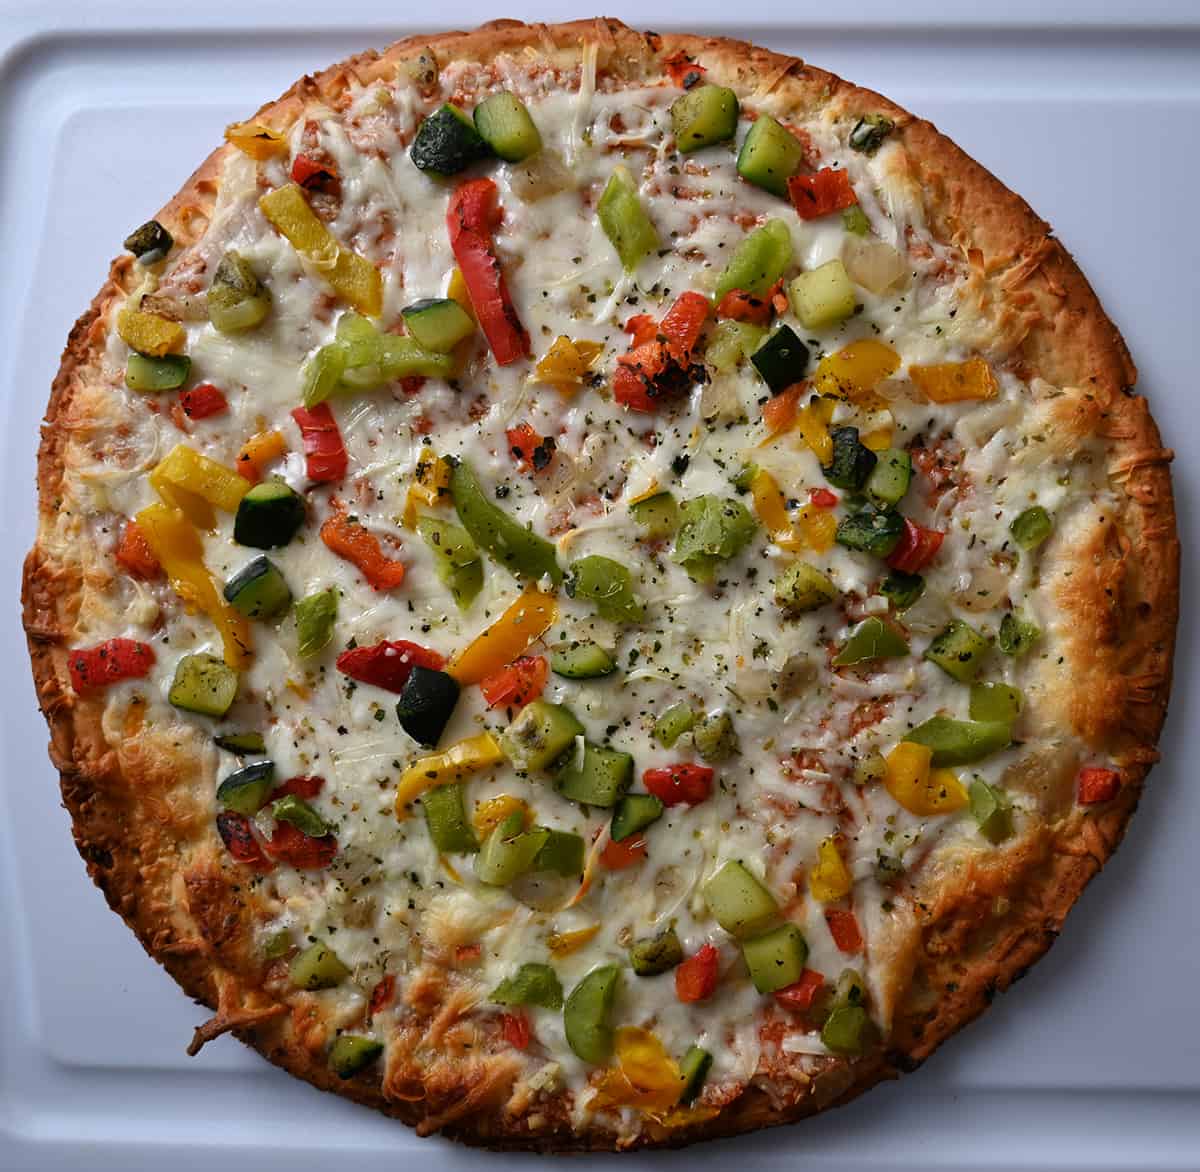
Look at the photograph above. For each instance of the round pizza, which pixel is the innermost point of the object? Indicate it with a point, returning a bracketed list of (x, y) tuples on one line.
[(597, 589)]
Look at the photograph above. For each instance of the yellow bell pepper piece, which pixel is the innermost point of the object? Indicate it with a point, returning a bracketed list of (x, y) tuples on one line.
[(830, 879), (177, 546), (812, 422), (854, 371), (879, 439), (254, 139), (147, 333), (257, 452), (955, 382), (564, 943), (564, 365), (185, 468), (506, 638), (918, 788), (489, 814), (645, 1075), (817, 528), (351, 276), (432, 485), (457, 291), (195, 508), (771, 507), (455, 763)]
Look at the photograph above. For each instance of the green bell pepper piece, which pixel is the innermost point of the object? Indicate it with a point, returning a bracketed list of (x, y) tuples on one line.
[(871, 639), (315, 616), (607, 584), (531, 984), (991, 811), (446, 820), (961, 742), (587, 1012), (758, 262)]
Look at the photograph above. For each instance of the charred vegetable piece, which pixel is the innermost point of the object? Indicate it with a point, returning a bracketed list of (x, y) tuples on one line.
[(509, 851), (539, 735), (776, 958), (562, 852), (438, 323), (823, 297), (656, 954), (961, 742), (203, 684), (715, 737), (531, 984), (296, 811), (758, 262), (871, 530), (657, 516), (959, 650), (802, 587), (712, 530), (781, 360), (447, 142), (1000, 702), (869, 133), (673, 723), (890, 477), (599, 779), (705, 115), (609, 585), (694, 1068), (456, 558), (853, 463), (871, 639), (633, 813), (149, 243), (258, 590), (143, 373), (624, 220), (246, 743), (991, 811), (1017, 635), (770, 156), (268, 516), (315, 617), (351, 1054), (503, 122), (739, 902), (446, 820), (582, 661), (587, 1012), (426, 704), (317, 967), (1032, 527), (246, 790), (237, 299), (902, 589)]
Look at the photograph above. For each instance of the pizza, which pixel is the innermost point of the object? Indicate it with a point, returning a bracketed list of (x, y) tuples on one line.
[(597, 589)]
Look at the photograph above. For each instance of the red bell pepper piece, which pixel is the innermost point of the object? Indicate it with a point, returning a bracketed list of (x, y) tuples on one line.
[(682, 325), (517, 683), (292, 846), (738, 305), (109, 663), (134, 554), (352, 542), (617, 856), (696, 977), (801, 994), (387, 664), (515, 1029), (822, 498), (683, 70), (779, 411), (641, 328), (656, 367), (843, 927), (203, 401), (308, 172), (918, 547), (471, 218), (237, 834), (324, 452), (533, 453), (675, 784), (1097, 784), (817, 195), (381, 995), (302, 787)]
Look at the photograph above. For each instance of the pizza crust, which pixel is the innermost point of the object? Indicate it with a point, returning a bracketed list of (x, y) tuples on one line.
[(1121, 596)]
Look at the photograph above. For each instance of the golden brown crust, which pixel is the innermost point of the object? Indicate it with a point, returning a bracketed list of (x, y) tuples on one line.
[(1119, 591)]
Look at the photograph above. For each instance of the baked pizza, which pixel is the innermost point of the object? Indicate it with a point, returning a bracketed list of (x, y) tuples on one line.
[(596, 589)]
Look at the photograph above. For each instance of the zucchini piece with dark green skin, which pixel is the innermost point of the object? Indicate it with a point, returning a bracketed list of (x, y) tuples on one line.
[(317, 967), (446, 820), (770, 156), (781, 360), (959, 650), (531, 984), (351, 1054), (600, 779), (244, 743), (608, 585), (296, 811), (902, 589), (269, 516), (776, 958), (150, 242), (582, 661), (203, 684), (633, 813), (693, 1068), (853, 462), (438, 323), (143, 373), (541, 733), (657, 516), (871, 530), (258, 590), (447, 142), (503, 122), (656, 954), (562, 852), (245, 791), (802, 588), (704, 116), (890, 477), (426, 704), (869, 133)]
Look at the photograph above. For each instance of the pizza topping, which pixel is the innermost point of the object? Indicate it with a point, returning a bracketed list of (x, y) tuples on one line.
[(1031, 527), (869, 133), (203, 401), (350, 1054), (704, 116), (683, 783), (149, 243), (256, 140), (238, 836), (582, 661), (515, 684), (438, 323), (659, 367), (1017, 635), (843, 927), (770, 156), (830, 879), (587, 1012), (203, 684), (313, 172), (693, 1070), (955, 382), (258, 590), (261, 449), (446, 820), (447, 142), (916, 548), (1096, 784), (824, 296), (656, 954), (781, 360), (324, 453), (269, 516), (961, 742), (871, 640), (959, 650), (470, 756), (455, 557), (503, 122), (825, 191), (237, 299), (246, 790), (426, 704), (108, 663), (317, 967), (388, 664), (134, 554), (628, 227), (696, 977), (991, 811), (292, 845), (802, 995), (620, 856), (532, 452), (349, 540), (315, 616), (566, 364), (147, 374)]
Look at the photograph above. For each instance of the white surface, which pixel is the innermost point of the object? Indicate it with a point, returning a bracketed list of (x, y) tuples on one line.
[(1093, 1061)]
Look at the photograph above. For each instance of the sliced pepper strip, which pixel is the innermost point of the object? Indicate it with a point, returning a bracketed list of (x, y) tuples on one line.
[(771, 507), (324, 452), (917, 548), (471, 218), (696, 977), (843, 927), (517, 683), (387, 664), (955, 382), (177, 546), (351, 541), (509, 636), (185, 468), (455, 763), (656, 367), (854, 371), (257, 452)]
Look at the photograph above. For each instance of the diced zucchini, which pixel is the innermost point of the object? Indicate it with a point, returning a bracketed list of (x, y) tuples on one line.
[(317, 967), (739, 902), (824, 296), (959, 650), (351, 1054), (633, 813), (869, 132), (539, 735), (582, 661), (447, 142), (531, 984), (673, 723), (456, 558), (996, 702), (245, 791), (758, 262), (504, 124), (656, 954), (902, 589), (770, 156), (712, 529), (693, 1068), (587, 1011), (237, 299), (258, 590), (296, 811), (437, 323), (269, 516), (802, 587), (781, 360), (961, 742), (1017, 635), (657, 516), (776, 958), (509, 851), (705, 115), (608, 585), (562, 852), (315, 617), (852, 463), (244, 744), (991, 811), (599, 780), (150, 242), (714, 737), (203, 684), (871, 530), (1032, 527), (624, 220), (446, 820), (871, 639), (143, 373), (890, 477), (426, 704), (846, 1030)]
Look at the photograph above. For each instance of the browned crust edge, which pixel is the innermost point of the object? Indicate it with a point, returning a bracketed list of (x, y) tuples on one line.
[(967, 952)]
